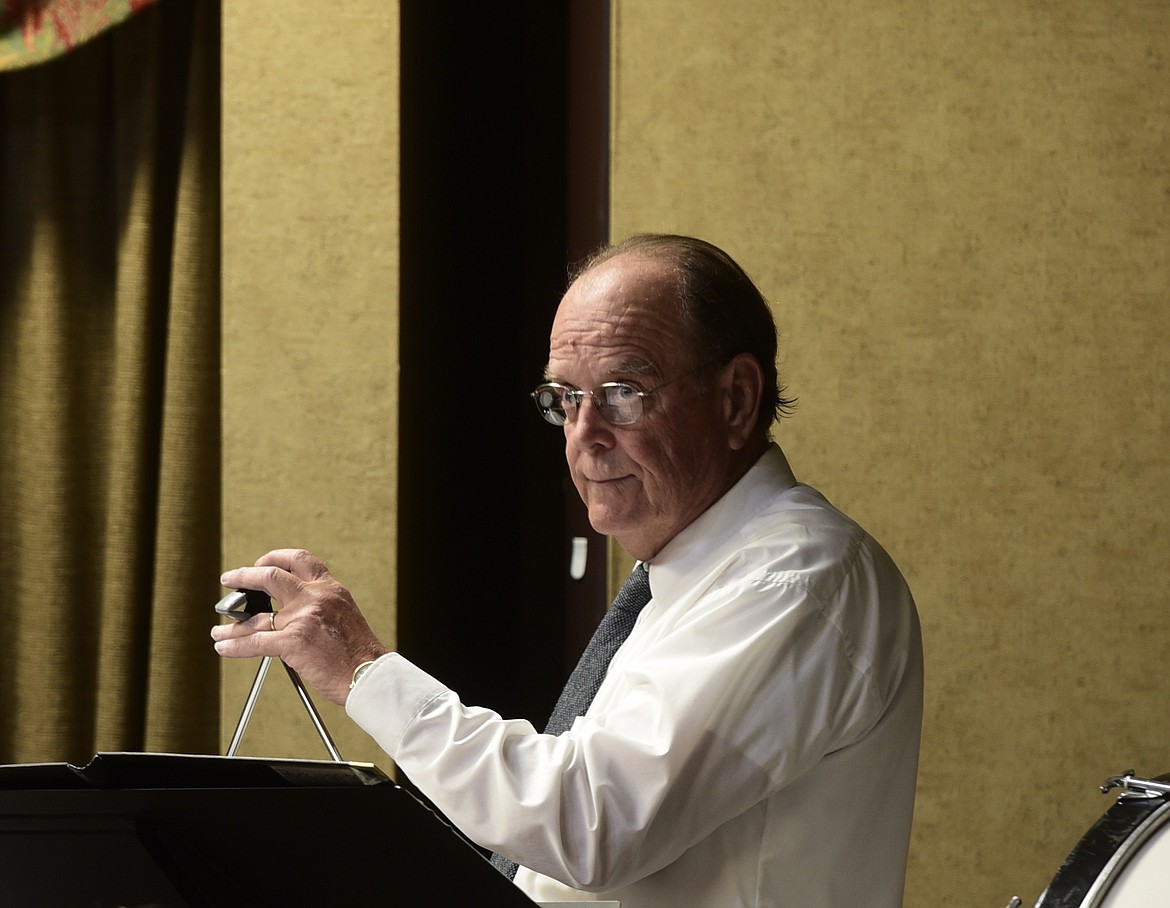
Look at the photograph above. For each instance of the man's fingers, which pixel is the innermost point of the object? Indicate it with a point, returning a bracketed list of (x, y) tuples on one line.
[(275, 581), (281, 573), (301, 564), (263, 622), (236, 642)]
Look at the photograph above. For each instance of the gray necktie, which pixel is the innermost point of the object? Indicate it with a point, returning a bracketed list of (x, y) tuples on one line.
[(586, 678)]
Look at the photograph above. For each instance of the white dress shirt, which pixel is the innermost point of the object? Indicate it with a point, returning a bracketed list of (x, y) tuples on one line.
[(754, 743)]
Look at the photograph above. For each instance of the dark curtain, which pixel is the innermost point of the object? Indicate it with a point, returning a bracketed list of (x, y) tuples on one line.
[(109, 392)]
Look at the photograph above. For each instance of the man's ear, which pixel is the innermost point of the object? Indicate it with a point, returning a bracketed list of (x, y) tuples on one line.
[(745, 389)]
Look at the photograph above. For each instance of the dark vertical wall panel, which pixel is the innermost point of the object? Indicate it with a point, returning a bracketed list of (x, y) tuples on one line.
[(587, 227), (482, 552)]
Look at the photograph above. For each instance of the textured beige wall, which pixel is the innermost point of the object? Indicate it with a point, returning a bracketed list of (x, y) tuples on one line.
[(310, 162), (962, 213)]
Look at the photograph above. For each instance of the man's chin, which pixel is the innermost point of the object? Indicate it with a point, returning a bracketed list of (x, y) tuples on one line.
[(634, 538), (608, 521)]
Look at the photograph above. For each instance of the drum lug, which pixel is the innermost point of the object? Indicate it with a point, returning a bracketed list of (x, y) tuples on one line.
[(1135, 789)]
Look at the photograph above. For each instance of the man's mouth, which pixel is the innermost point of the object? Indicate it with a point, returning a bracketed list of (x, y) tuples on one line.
[(603, 480)]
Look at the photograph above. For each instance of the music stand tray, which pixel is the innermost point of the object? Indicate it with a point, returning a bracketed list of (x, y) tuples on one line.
[(130, 830)]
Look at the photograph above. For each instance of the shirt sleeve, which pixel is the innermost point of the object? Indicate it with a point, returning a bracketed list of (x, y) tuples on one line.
[(699, 718)]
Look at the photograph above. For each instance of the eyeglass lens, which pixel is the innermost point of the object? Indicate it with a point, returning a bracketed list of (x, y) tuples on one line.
[(618, 403)]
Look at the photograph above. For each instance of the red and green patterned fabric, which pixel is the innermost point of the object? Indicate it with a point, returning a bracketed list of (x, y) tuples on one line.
[(32, 31)]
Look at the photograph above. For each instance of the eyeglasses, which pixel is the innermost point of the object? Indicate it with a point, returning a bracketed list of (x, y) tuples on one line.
[(618, 402)]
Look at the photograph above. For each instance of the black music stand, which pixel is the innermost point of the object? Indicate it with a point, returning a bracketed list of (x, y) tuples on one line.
[(154, 830)]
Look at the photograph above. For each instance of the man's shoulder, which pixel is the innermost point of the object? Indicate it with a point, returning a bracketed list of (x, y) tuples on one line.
[(802, 515), (802, 535)]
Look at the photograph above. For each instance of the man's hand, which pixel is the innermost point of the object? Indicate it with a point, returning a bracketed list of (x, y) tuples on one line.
[(320, 631)]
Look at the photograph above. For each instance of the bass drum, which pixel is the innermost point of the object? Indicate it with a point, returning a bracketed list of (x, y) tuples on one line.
[(1123, 861)]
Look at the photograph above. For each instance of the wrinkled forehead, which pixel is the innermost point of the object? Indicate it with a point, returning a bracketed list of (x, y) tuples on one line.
[(622, 315)]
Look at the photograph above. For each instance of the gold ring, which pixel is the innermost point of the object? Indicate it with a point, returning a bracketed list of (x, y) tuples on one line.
[(272, 619)]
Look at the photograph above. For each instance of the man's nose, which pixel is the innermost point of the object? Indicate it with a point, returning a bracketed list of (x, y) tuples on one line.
[(588, 428)]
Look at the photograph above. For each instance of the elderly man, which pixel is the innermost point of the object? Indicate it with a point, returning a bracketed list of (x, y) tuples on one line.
[(754, 740)]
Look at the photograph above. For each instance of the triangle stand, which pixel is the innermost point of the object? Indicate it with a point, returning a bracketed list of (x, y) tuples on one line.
[(310, 708)]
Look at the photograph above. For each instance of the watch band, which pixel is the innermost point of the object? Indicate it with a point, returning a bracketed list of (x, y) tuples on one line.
[(358, 672)]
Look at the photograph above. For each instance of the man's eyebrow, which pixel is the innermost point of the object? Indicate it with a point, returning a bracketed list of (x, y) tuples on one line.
[(636, 366)]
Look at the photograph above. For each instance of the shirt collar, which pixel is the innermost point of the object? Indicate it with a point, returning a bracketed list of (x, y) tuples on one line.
[(722, 522)]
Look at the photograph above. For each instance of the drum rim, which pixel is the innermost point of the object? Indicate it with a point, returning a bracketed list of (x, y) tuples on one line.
[(1079, 881), (1124, 854)]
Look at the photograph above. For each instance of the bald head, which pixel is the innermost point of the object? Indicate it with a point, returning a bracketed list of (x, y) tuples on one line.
[(619, 331), (719, 308)]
